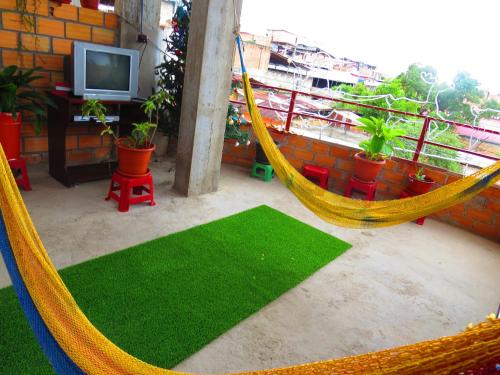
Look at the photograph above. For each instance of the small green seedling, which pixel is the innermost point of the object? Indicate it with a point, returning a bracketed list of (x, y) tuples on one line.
[(419, 174)]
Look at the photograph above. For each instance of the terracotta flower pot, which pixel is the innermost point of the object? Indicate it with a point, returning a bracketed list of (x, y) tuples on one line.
[(366, 169), (10, 134), (420, 187), (133, 162), (91, 4)]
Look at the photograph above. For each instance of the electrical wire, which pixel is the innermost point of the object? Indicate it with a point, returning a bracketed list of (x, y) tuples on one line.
[(145, 45)]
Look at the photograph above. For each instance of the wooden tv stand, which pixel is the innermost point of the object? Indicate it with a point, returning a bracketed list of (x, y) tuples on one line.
[(60, 118)]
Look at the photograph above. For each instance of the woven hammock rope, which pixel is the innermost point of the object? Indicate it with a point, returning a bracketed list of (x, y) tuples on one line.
[(81, 348), (348, 212), (74, 346)]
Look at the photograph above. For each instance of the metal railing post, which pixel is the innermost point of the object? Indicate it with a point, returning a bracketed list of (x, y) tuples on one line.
[(290, 111), (421, 140)]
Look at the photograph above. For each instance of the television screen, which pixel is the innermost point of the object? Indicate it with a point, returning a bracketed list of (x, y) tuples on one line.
[(104, 72), (107, 71)]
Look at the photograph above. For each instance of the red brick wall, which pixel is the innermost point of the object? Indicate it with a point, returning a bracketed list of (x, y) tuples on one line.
[(480, 215), (54, 29)]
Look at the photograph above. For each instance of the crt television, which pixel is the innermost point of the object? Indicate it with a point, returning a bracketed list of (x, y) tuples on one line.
[(104, 72)]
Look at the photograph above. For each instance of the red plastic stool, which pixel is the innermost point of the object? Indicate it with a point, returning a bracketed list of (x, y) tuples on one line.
[(407, 194), (23, 180), (367, 187), (129, 185), (319, 173)]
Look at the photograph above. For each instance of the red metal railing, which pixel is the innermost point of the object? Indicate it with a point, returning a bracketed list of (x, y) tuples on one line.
[(421, 141)]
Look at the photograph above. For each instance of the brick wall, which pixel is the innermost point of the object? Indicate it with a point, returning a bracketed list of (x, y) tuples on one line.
[(480, 215), (53, 29)]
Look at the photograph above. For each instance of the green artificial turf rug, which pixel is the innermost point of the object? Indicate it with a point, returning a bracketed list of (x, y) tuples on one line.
[(164, 300)]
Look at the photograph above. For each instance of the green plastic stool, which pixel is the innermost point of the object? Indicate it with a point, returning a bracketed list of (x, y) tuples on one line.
[(263, 171)]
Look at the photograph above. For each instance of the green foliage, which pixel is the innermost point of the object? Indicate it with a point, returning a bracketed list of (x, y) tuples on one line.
[(143, 132), (17, 94), (447, 137), (492, 104), (152, 108), (171, 70), (95, 110), (455, 102), (382, 139), (392, 87), (139, 138), (234, 120), (396, 88), (419, 174), (27, 17), (412, 83)]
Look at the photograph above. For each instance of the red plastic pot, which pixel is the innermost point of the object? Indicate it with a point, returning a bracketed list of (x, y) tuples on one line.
[(133, 162), (10, 134), (91, 4), (420, 187), (366, 169)]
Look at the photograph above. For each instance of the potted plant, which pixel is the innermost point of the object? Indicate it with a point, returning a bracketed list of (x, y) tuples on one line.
[(367, 163), (419, 182), (16, 95), (134, 152)]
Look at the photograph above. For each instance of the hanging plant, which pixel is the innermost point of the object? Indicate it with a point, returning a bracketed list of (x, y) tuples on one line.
[(28, 21)]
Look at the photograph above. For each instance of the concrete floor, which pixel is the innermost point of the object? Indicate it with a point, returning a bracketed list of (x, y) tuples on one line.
[(395, 286)]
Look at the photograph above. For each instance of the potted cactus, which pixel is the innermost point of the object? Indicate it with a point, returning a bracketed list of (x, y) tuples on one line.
[(369, 162), (419, 183)]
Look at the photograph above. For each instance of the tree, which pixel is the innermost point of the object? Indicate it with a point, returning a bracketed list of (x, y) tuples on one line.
[(234, 121), (456, 102), (442, 155), (492, 104), (413, 85), (392, 87), (171, 71), (459, 100)]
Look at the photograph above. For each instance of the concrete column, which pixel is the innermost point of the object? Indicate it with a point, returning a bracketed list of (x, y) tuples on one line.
[(130, 11), (206, 95)]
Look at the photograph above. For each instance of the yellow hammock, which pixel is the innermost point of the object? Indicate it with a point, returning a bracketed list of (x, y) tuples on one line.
[(93, 353), (348, 212)]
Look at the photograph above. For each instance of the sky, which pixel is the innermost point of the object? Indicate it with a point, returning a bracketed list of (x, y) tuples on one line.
[(452, 36)]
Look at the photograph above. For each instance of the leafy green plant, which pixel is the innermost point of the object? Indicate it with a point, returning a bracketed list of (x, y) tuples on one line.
[(419, 174), (17, 94), (139, 138), (383, 137), (95, 110), (143, 132)]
